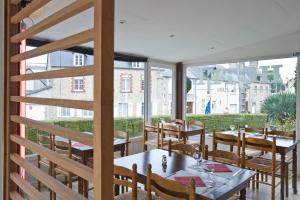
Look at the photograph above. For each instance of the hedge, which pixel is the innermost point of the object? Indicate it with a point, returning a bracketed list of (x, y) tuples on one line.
[(134, 125)]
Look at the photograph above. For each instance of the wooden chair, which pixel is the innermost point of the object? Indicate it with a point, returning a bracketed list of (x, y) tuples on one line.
[(181, 148), (47, 142), (202, 135), (153, 130), (288, 158), (259, 164), (227, 157), (178, 122), (64, 148), (168, 189), (123, 135), (125, 178), (170, 132), (255, 130)]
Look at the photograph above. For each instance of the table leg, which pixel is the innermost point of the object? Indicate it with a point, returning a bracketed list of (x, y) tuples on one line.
[(294, 177), (243, 194), (123, 151), (85, 182), (282, 176)]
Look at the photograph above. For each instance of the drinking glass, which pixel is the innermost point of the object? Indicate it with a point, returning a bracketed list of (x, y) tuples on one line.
[(232, 127), (198, 158), (211, 179)]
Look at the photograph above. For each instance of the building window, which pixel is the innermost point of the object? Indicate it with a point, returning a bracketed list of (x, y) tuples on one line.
[(78, 59), (88, 113), (136, 65), (123, 109), (255, 89), (126, 83), (142, 84), (78, 84), (65, 112), (142, 109)]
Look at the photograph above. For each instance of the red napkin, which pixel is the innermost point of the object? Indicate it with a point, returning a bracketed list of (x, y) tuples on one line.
[(185, 180), (218, 167), (78, 144)]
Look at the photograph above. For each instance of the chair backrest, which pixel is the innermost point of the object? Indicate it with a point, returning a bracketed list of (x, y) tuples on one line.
[(168, 189), (196, 123), (63, 147), (126, 178), (45, 141), (178, 121), (171, 130), (259, 144), (122, 135), (181, 148), (224, 156), (284, 134), (150, 127), (253, 129)]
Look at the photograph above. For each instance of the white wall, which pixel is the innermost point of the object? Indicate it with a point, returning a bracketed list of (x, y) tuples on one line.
[(1, 94)]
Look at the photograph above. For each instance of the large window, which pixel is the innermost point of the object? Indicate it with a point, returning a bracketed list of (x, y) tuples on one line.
[(161, 91), (246, 89)]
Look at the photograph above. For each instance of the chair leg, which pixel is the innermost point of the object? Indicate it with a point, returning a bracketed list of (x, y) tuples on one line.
[(273, 186), (287, 180), (253, 183), (257, 179), (70, 180)]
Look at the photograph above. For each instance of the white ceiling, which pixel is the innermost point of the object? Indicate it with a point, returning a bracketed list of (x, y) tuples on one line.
[(203, 29)]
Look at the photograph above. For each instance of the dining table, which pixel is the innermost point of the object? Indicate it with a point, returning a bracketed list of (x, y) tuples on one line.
[(85, 152), (226, 183), (284, 145)]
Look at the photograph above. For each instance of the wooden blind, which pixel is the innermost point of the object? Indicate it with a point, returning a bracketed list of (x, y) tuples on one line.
[(102, 36)]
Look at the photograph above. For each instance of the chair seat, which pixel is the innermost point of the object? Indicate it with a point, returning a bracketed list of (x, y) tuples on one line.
[(141, 195), (288, 159), (261, 164)]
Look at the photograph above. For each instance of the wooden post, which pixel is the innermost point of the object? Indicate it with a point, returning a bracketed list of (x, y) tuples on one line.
[(103, 98), (179, 91), (11, 89)]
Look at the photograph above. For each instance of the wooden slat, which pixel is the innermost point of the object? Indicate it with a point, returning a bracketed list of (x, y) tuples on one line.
[(59, 159), (15, 196), (62, 73), (33, 193), (56, 130), (28, 10), (49, 181), (103, 98), (15, 2), (78, 104), (59, 16), (79, 38)]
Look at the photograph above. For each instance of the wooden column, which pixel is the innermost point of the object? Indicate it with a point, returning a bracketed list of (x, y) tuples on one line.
[(179, 91), (103, 98), (11, 89)]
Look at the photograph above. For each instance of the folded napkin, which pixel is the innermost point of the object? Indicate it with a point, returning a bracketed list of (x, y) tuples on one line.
[(78, 144), (185, 180), (218, 167)]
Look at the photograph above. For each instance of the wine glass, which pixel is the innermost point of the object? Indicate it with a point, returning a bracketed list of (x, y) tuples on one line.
[(211, 179), (232, 127), (198, 158)]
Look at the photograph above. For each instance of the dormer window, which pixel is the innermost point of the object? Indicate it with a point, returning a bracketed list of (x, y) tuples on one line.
[(78, 59)]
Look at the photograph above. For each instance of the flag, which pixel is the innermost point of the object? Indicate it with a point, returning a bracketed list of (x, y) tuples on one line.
[(207, 109)]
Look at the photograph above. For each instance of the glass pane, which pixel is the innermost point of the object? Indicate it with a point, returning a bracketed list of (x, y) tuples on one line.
[(161, 93), (242, 94), (129, 97)]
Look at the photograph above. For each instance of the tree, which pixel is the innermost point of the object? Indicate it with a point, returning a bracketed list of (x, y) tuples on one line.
[(280, 107)]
